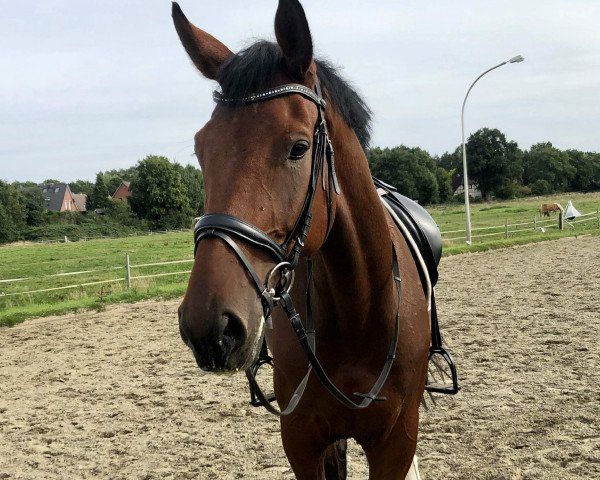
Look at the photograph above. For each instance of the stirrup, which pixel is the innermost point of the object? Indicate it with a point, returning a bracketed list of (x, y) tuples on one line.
[(437, 387)]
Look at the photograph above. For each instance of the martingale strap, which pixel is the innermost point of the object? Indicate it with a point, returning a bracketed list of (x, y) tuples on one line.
[(306, 339)]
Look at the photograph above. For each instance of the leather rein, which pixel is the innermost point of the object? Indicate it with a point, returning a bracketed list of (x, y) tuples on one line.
[(275, 289)]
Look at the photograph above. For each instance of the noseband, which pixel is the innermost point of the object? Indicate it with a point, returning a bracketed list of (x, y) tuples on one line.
[(275, 290)]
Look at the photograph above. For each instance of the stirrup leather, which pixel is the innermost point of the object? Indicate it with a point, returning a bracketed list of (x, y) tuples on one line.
[(437, 350)]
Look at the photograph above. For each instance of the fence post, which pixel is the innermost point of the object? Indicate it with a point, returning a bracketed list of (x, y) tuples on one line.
[(561, 223), (598, 216), (128, 270), (535, 223), (506, 228)]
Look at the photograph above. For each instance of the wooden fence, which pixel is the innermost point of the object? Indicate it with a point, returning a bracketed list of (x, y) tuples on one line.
[(129, 272), (510, 229), (127, 276)]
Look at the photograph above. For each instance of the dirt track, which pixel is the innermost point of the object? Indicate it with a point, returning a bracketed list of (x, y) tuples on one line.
[(116, 394)]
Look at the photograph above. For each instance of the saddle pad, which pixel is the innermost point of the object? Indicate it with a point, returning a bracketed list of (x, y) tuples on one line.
[(420, 225)]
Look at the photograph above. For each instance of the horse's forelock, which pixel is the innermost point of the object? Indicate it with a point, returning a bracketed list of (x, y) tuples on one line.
[(253, 70)]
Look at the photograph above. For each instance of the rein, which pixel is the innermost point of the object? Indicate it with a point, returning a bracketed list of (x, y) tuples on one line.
[(287, 254)]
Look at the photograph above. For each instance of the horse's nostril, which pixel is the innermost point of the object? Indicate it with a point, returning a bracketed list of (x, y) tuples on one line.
[(234, 333)]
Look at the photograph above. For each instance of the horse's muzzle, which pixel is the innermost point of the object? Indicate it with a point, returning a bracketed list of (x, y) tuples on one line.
[(220, 347)]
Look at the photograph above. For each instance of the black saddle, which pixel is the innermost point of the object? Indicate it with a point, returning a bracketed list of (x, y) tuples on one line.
[(421, 226), (428, 238)]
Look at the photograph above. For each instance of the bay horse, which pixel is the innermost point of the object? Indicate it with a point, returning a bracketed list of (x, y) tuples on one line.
[(546, 208), (288, 193)]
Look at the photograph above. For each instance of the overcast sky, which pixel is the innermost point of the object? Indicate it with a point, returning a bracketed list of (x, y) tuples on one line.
[(87, 86)]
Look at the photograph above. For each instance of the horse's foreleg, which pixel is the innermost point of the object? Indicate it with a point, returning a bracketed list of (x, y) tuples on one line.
[(335, 461), (304, 451), (392, 458)]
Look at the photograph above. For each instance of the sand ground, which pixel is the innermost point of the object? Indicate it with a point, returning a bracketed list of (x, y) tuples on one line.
[(116, 394)]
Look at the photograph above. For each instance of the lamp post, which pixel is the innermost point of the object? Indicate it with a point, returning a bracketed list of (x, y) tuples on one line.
[(516, 59)]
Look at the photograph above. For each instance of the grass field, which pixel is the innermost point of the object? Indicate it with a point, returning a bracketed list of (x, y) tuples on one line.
[(83, 265), (522, 211), (36, 266)]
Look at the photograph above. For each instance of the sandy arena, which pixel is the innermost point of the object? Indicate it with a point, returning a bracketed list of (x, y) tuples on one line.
[(116, 394)]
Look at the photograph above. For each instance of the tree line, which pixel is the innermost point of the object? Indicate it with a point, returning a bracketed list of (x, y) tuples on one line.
[(497, 166), (167, 195), (164, 196)]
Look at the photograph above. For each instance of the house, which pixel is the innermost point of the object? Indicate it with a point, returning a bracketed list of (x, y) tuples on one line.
[(80, 201), (458, 187), (122, 191), (59, 198)]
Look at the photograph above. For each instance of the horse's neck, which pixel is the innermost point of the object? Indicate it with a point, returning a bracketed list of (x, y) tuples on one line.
[(357, 257)]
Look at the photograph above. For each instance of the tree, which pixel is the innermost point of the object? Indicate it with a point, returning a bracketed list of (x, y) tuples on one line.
[(35, 206), (587, 170), (547, 163), (411, 170), (595, 160), (113, 178), (82, 186), (193, 182), (34, 202), (13, 215), (158, 194), (120, 212), (444, 181), (100, 197), (452, 161), (494, 163), (541, 187)]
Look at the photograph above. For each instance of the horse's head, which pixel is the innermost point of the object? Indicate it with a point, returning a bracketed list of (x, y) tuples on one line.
[(257, 161)]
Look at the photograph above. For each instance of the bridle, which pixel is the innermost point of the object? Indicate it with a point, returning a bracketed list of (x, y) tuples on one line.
[(286, 254), (275, 290)]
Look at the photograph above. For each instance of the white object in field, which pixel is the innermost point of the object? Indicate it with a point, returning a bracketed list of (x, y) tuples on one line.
[(571, 212)]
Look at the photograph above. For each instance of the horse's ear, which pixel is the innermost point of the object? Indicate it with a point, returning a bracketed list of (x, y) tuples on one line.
[(293, 36), (207, 53)]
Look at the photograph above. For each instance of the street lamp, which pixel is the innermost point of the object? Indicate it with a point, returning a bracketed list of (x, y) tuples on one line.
[(516, 59)]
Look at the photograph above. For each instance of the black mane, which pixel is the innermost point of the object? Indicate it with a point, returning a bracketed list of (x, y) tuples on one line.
[(252, 70)]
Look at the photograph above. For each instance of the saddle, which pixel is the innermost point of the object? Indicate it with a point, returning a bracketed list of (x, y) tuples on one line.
[(421, 226), (425, 241)]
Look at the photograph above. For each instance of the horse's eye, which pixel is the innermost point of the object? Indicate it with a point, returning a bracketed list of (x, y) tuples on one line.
[(298, 150)]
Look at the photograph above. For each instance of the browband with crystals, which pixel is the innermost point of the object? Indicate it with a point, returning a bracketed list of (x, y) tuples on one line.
[(270, 93)]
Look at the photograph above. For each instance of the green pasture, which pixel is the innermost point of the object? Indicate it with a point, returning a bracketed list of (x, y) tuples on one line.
[(522, 211), (50, 266), (82, 265)]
